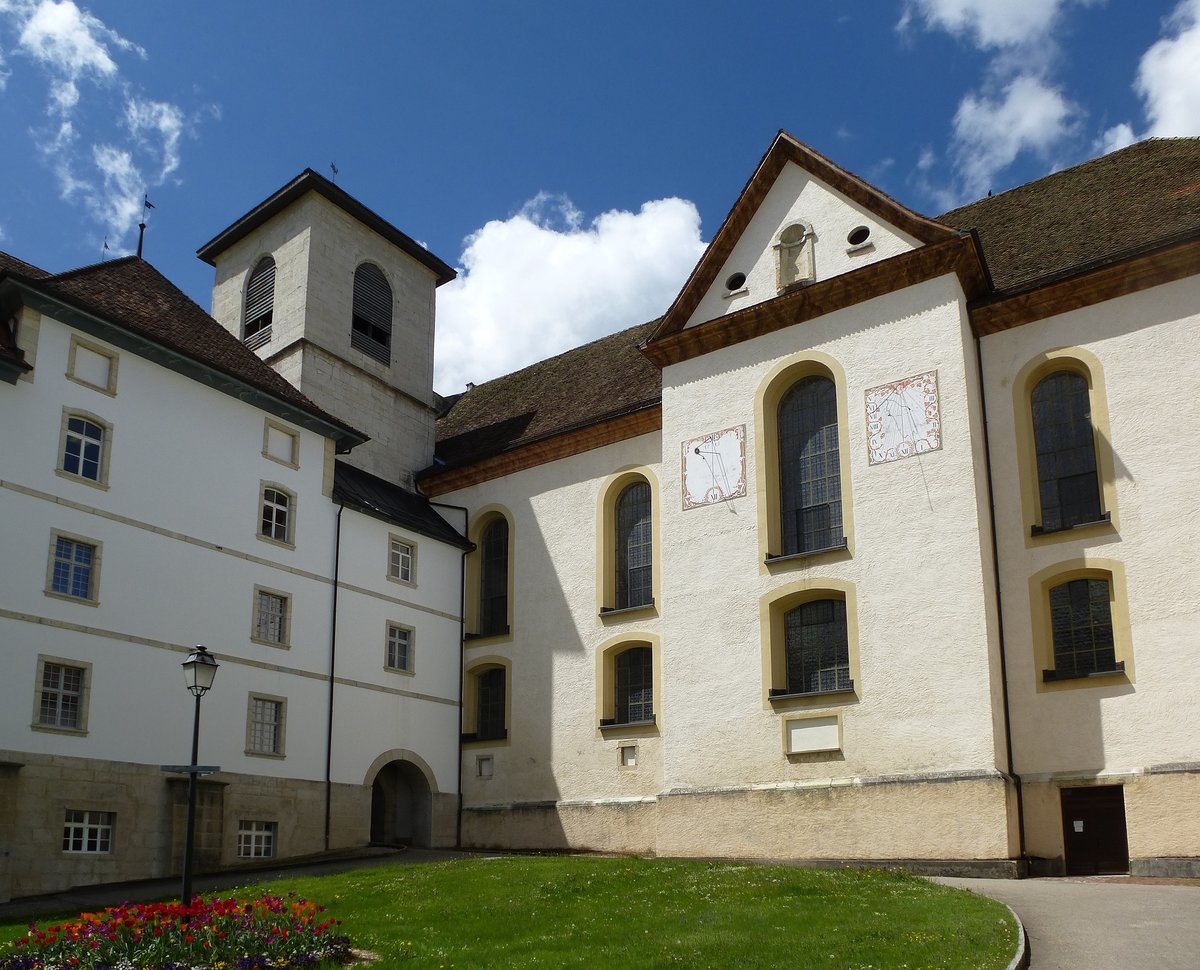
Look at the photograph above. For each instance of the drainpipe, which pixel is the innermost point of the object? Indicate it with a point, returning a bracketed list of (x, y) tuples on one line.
[(1008, 746), (462, 659), (337, 546)]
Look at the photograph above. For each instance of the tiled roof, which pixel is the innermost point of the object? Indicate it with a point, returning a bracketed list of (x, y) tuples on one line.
[(604, 379), (10, 264), (132, 294), (1130, 199), (373, 496)]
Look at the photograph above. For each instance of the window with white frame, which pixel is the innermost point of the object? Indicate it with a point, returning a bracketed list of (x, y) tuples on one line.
[(74, 568), (278, 507), (256, 839), (399, 648), (401, 560), (85, 441), (86, 831), (265, 725), (62, 694), (271, 616)]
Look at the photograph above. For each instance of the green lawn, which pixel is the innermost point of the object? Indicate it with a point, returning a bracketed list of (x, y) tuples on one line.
[(632, 913)]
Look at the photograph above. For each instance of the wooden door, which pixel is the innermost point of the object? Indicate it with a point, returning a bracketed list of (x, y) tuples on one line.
[(1094, 834)]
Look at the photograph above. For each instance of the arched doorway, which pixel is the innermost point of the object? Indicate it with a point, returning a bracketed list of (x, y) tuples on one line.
[(401, 806)]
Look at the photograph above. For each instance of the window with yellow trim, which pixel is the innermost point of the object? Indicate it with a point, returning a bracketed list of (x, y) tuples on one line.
[(1065, 443), (627, 685), (811, 646), (1081, 625), (486, 702)]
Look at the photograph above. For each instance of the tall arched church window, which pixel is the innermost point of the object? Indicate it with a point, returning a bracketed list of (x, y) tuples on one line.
[(810, 487), (493, 579), (260, 304), (1068, 485), (794, 253), (371, 322), (635, 547)]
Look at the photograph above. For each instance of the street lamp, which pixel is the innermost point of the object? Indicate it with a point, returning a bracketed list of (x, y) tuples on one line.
[(200, 668)]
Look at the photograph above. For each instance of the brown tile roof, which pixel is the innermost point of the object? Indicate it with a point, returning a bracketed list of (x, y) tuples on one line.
[(604, 379), (132, 294), (10, 264), (310, 181), (1131, 199)]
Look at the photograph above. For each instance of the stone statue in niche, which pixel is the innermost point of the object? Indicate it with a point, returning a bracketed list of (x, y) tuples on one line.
[(794, 256)]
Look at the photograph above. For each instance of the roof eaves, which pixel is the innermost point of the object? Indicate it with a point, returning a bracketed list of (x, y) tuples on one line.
[(310, 181)]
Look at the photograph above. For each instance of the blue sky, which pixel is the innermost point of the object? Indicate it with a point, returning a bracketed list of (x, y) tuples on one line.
[(571, 159)]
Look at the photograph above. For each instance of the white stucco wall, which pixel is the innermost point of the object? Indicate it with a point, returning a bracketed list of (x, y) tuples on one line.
[(797, 197), (1145, 344)]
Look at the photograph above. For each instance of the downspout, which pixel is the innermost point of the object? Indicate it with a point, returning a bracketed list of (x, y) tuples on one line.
[(462, 659), (1008, 746), (337, 547)]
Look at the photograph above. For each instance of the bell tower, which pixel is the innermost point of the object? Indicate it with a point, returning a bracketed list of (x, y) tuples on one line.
[(341, 304)]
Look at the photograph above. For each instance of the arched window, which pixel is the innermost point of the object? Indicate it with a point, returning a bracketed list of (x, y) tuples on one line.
[(490, 704), (1068, 486), (371, 322), (634, 676), (260, 304), (635, 547), (817, 647), (1081, 626), (493, 578), (810, 488)]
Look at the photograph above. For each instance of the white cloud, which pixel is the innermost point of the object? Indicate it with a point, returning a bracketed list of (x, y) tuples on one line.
[(989, 133), (987, 23), (1168, 77), (138, 139), (541, 282)]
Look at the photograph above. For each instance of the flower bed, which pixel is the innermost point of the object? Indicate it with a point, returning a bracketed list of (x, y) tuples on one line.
[(217, 934)]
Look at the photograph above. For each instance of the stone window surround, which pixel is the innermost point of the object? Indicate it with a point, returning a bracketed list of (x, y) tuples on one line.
[(84, 696)]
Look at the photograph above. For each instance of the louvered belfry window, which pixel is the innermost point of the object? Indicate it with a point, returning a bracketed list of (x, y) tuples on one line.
[(371, 324), (260, 304), (810, 487)]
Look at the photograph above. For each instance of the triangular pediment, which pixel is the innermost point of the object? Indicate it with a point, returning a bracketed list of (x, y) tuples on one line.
[(799, 221)]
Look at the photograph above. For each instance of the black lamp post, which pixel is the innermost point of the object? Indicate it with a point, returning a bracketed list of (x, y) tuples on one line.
[(200, 668)]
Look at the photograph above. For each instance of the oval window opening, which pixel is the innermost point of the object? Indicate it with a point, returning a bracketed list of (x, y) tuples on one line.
[(736, 281), (858, 236)]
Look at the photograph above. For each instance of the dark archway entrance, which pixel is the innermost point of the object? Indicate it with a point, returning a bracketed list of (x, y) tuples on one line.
[(401, 806), (1094, 835)]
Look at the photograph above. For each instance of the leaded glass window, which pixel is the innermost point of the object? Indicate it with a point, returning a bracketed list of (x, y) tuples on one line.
[(635, 685), (1066, 451), (490, 704), (493, 585), (635, 547), (818, 653), (810, 486), (1082, 628)]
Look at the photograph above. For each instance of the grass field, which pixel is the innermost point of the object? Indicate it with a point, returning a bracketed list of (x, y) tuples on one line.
[(631, 913)]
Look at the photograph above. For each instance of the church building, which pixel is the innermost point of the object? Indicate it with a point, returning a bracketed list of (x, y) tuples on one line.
[(870, 549)]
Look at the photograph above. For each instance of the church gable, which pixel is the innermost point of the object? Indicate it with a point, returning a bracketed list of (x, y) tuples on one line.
[(800, 220), (804, 231)]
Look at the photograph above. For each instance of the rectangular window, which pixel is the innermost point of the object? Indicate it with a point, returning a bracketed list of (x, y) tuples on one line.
[(83, 448), (278, 507), (88, 831), (60, 702), (256, 840), (399, 648), (271, 617), (74, 568), (264, 729), (401, 556)]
